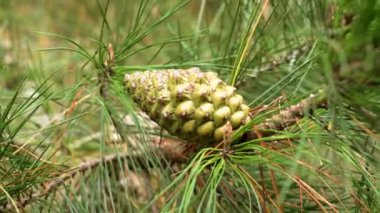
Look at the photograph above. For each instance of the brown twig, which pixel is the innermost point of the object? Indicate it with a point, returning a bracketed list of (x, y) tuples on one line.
[(289, 58), (287, 117), (172, 150)]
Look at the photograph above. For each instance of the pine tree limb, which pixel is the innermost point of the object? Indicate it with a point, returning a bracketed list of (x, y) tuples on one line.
[(288, 116), (171, 149)]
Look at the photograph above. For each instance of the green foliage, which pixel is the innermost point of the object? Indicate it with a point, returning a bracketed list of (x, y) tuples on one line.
[(80, 135), (21, 169)]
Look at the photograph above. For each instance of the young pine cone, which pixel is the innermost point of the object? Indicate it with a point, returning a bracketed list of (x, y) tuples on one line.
[(190, 104)]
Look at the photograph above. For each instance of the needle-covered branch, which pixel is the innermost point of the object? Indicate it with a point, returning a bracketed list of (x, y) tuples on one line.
[(288, 117), (172, 150)]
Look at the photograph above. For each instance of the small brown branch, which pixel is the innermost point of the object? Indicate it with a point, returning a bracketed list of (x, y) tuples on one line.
[(54, 184), (288, 116), (289, 58), (173, 151)]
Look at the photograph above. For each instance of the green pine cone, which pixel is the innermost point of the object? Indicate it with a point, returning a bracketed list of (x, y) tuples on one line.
[(188, 103)]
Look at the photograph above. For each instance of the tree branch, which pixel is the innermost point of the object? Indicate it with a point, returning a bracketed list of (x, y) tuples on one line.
[(173, 151), (288, 116)]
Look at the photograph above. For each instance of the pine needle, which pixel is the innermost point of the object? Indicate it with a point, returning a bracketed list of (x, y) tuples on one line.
[(246, 44)]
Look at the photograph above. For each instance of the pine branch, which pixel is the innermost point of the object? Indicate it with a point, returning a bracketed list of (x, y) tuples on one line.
[(290, 57), (173, 151), (288, 116), (104, 79)]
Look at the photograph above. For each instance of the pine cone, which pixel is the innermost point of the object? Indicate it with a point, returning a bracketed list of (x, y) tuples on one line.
[(190, 104)]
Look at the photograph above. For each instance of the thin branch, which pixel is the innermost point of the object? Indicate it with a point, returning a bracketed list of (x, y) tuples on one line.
[(288, 116), (104, 78), (173, 151)]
